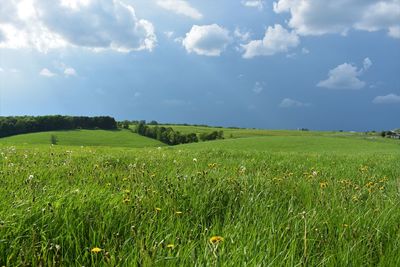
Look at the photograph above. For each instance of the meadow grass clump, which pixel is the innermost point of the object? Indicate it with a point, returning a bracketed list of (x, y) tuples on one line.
[(73, 206)]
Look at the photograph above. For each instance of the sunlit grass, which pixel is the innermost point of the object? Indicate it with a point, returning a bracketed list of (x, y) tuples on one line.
[(159, 206)]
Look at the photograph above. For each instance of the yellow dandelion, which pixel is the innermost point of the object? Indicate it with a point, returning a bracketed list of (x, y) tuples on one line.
[(369, 184), (345, 225), (96, 250), (178, 212), (158, 209), (216, 239), (323, 184), (171, 246)]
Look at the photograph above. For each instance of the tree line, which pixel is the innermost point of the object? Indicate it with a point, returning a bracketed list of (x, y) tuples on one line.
[(168, 136), (29, 124)]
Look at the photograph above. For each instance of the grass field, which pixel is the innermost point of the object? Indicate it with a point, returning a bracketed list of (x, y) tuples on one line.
[(289, 200), (118, 138), (242, 132), (317, 144)]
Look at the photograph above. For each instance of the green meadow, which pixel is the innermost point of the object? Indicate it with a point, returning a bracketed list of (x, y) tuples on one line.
[(256, 198)]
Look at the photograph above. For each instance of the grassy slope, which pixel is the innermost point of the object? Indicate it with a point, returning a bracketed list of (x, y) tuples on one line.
[(313, 208), (324, 144), (239, 133), (120, 138)]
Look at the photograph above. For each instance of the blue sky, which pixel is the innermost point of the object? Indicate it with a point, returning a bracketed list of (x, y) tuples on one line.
[(281, 64)]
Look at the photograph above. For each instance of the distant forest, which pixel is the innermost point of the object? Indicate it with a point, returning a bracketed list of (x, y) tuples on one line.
[(30, 124)]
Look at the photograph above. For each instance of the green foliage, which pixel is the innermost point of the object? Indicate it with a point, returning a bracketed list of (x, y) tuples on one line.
[(212, 136), (272, 209), (165, 135), (28, 124)]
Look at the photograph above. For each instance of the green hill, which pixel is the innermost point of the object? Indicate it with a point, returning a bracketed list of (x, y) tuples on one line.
[(316, 143), (117, 138), (248, 132)]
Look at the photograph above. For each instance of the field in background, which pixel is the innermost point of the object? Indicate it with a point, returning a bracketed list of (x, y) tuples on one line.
[(117, 138), (284, 198), (240, 133)]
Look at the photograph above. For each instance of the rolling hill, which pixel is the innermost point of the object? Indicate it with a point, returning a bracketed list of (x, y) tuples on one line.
[(117, 138)]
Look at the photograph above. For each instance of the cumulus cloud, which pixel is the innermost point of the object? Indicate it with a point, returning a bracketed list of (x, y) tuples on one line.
[(207, 40), (276, 40), (95, 24), (346, 76), (180, 7), (70, 72), (291, 103), (259, 4), (387, 99), (47, 73), (316, 17)]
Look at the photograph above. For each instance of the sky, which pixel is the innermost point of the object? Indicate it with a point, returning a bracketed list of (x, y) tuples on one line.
[(279, 64)]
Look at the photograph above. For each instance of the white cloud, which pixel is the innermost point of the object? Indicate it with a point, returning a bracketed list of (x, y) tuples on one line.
[(258, 87), (291, 103), (94, 24), (14, 70), (346, 76), (316, 17), (259, 4), (394, 32), (169, 34), (1, 70), (241, 35), (180, 7), (305, 51), (70, 72), (276, 40), (47, 73), (207, 40), (387, 99), (367, 63)]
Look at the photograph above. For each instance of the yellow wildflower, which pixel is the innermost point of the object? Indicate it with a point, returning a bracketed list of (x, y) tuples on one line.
[(178, 212), (323, 184), (171, 246), (369, 184), (216, 239), (158, 209), (96, 250)]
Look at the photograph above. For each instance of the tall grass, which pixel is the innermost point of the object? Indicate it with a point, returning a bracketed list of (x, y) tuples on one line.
[(160, 207)]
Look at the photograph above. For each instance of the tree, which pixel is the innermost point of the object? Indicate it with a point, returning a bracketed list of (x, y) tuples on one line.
[(53, 139)]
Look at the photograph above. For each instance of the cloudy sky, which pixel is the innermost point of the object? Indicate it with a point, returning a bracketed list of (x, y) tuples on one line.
[(325, 65)]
